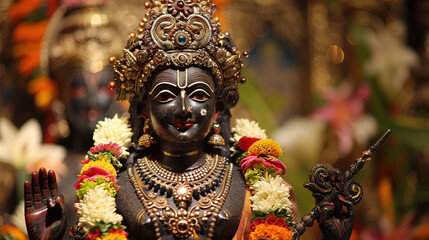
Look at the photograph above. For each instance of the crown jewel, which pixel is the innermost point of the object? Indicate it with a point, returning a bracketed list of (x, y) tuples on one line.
[(177, 33)]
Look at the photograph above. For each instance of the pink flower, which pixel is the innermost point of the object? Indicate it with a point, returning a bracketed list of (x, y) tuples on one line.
[(344, 109), (94, 172), (269, 161), (113, 148)]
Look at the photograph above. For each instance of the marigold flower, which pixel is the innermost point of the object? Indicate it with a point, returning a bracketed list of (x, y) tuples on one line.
[(13, 232), (265, 147), (118, 234), (272, 232), (101, 164)]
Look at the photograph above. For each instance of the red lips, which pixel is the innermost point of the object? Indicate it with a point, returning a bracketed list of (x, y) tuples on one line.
[(183, 124)]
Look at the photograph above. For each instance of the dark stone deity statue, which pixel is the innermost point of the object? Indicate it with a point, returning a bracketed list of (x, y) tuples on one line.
[(180, 179)]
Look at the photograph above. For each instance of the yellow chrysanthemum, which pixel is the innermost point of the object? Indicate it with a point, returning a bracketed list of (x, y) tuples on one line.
[(105, 165), (265, 147), (272, 232), (113, 236)]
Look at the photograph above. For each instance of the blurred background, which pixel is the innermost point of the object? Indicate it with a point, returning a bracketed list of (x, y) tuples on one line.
[(325, 78)]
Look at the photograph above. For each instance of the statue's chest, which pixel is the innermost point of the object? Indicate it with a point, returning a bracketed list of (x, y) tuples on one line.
[(184, 207)]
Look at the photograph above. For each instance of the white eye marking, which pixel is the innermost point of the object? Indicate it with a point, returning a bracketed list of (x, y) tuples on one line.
[(199, 95), (165, 96), (203, 112)]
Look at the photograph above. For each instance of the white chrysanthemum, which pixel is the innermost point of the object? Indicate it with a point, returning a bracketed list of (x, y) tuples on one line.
[(244, 127), (270, 194), (97, 205), (115, 130)]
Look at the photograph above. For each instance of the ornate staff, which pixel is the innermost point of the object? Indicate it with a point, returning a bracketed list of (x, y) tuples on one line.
[(334, 191)]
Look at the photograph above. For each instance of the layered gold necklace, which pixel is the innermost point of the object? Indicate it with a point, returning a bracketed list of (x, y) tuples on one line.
[(154, 184)]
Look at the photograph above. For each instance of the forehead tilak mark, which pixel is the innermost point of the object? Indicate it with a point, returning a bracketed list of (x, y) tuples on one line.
[(186, 79)]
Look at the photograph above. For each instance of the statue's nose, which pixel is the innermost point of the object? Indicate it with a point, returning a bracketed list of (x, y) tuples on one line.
[(184, 110)]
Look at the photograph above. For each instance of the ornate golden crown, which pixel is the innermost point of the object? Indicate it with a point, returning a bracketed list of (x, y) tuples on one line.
[(178, 33), (82, 36)]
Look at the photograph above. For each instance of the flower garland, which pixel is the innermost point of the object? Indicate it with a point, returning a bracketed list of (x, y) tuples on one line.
[(96, 187), (264, 173)]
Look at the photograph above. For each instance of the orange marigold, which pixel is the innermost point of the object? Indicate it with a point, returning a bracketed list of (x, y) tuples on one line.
[(113, 236), (102, 164), (265, 147), (14, 231), (272, 232)]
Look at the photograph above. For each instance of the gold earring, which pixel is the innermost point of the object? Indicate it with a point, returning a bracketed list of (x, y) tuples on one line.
[(216, 138), (146, 139)]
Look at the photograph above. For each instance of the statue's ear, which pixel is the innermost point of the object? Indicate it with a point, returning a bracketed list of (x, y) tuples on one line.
[(229, 97)]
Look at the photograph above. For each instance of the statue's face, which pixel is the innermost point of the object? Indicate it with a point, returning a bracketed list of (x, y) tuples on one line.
[(181, 105), (89, 98)]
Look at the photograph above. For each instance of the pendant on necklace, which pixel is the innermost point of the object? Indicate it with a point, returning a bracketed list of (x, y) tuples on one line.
[(182, 194)]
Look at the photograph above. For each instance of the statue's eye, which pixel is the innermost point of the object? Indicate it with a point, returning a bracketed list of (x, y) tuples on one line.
[(199, 95), (165, 96)]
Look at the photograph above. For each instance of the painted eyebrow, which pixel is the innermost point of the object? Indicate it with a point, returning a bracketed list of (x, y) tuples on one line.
[(206, 77), (159, 78)]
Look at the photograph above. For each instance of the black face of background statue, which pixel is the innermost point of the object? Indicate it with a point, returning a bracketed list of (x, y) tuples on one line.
[(181, 105), (89, 98)]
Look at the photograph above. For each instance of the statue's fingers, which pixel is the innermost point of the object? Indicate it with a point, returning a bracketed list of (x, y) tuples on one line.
[(59, 200), (43, 178), (52, 180), (51, 202), (29, 205), (35, 186), (327, 210)]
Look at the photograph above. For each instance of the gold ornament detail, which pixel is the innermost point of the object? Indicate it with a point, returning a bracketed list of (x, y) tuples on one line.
[(177, 33), (146, 139), (183, 221), (216, 139)]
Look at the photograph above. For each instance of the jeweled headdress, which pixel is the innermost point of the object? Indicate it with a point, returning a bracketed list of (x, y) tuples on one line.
[(178, 33), (82, 35)]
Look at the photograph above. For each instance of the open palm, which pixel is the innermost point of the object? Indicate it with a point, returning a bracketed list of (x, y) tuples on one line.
[(45, 214)]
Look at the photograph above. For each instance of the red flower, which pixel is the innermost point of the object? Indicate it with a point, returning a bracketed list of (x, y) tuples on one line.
[(93, 234), (255, 223), (246, 142), (273, 220)]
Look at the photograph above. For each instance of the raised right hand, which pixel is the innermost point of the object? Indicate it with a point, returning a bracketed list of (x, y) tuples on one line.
[(45, 213)]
